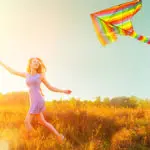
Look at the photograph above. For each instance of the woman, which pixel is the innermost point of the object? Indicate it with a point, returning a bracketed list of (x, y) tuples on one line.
[(34, 76)]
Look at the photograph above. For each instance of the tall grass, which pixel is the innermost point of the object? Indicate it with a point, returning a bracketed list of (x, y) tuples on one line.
[(84, 125)]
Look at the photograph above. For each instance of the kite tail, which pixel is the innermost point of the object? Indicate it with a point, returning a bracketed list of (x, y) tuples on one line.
[(140, 37)]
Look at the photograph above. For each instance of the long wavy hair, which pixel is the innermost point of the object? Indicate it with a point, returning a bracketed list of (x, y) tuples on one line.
[(40, 69)]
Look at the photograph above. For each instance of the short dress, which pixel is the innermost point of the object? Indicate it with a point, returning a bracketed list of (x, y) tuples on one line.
[(37, 102)]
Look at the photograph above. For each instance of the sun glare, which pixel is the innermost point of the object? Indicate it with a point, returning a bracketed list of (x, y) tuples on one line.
[(1, 82), (4, 145), (2, 79)]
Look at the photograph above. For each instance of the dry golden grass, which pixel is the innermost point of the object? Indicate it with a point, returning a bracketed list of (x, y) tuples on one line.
[(85, 127)]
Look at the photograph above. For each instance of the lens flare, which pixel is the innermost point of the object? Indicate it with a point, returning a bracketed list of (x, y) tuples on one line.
[(4, 145)]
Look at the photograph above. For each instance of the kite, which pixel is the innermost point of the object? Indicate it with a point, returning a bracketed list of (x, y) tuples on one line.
[(117, 20)]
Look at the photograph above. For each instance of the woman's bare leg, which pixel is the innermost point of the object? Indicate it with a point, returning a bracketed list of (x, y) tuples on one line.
[(28, 124), (49, 126), (42, 121)]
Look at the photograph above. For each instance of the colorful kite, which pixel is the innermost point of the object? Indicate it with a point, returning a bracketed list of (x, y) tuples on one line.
[(117, 20)]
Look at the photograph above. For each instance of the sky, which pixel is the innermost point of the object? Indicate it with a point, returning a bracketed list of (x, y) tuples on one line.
[(61, 33)]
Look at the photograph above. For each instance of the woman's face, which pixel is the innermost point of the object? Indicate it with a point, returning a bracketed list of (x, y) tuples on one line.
[(35, 63)]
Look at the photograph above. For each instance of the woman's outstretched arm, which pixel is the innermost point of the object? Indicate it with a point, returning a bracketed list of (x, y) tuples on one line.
[(52, 88), (12, 71)]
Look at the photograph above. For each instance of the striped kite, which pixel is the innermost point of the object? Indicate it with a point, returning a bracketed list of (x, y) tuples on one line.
[(117, 20)]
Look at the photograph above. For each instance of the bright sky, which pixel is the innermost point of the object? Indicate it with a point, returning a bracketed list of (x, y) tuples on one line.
[(62, 34)]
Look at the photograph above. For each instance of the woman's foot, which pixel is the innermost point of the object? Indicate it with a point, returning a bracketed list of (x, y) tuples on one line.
[(29, 135), (60, 138), (25, 135), (34, 134)]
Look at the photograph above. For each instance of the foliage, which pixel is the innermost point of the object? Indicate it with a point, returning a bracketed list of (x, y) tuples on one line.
[(86, 125)]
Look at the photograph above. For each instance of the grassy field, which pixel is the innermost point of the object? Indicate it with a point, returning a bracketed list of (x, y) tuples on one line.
[(86, 126)]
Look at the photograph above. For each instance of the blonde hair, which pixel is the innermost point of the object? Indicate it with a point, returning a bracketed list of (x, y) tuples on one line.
[(40, 69)]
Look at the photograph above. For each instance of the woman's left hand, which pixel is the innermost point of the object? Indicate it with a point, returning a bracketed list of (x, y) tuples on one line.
[(1, 62), (67, 91)]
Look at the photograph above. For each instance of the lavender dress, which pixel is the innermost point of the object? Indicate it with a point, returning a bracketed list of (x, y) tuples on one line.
[(37, 103)]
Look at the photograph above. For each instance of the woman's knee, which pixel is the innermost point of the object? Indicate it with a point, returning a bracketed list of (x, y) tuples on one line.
[(42, 121), (27, 121)]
